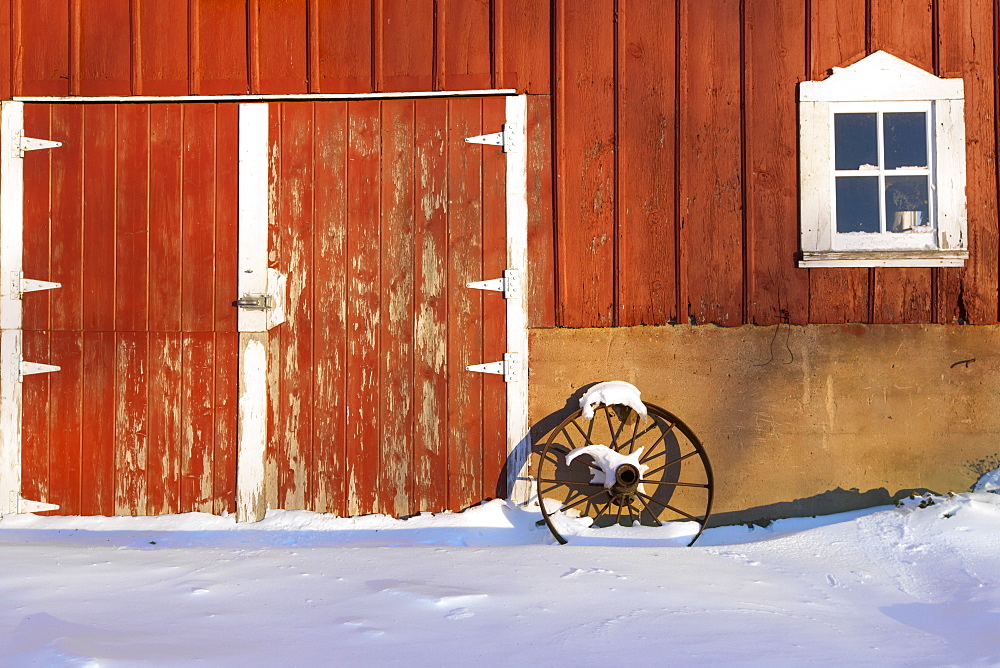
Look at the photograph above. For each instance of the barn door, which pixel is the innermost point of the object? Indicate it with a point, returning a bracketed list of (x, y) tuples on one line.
[(382, 213), (136, 216)]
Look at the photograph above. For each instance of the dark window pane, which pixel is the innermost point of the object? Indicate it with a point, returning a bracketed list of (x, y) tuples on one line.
[(906, 207), (855, 140), (905, 139), (857, 204)]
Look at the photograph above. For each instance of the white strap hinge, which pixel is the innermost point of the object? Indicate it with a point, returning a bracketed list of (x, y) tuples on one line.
[(509, 285), (507, 138), (30, 368), (508, 368), (20, 285), (28, 506), (23, 144)]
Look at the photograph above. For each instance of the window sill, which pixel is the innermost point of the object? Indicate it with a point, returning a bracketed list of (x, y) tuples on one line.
[(884, 258)]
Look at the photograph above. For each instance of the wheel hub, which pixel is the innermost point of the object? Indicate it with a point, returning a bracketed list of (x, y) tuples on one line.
[(627, 479)]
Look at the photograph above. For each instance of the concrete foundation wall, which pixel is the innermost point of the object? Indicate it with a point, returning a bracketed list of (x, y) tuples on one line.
[(799, 420)]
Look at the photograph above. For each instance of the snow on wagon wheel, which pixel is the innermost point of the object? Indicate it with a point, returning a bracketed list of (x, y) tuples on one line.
[(621, 467)]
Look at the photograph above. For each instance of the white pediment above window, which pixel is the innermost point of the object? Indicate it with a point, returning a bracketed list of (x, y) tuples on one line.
[(880, 77)]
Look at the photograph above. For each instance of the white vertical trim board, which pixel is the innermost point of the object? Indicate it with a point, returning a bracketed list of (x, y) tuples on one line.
[(11, 236), (253, 325), (518, 437), (253, 213)]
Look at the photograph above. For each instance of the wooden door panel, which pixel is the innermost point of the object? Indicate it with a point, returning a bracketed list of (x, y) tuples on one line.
[(140, 216), (380, 323)]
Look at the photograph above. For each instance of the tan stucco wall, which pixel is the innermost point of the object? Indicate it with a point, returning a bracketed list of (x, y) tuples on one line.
[(799, 420)]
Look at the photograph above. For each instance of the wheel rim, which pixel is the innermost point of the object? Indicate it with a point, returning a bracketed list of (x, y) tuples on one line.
[(669, 482)]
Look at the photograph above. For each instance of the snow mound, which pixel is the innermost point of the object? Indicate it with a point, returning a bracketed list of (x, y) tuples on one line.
[(612, 393), (989, 482)]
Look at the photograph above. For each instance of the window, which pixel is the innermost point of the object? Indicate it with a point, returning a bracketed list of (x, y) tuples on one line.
[(882, 167)]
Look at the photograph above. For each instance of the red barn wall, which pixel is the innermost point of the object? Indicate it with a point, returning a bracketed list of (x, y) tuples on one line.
[(664, 166)]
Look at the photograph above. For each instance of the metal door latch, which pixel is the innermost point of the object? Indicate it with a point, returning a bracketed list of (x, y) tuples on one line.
[(254, 302)]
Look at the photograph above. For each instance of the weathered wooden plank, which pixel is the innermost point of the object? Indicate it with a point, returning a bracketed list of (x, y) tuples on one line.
[(36, 479), (778, 290), (837, 38), (966, 48), (274, 453), (710, 141), (226, 401), (65, 444), (282, 47), (585, 163), (463, 45), (226, 339), (465, 306), (163, 450), (37, 207), (130, 437), (163, 36), (41, 58), (905, 29), (166, 139), (99, 142), (396, 317), (132, 218), (523, 45), (218, 47), (227, 178), (98, 433), (330, 328), (295, 211), (430, 461), (198, 219), (105, 51), (7, 39), (647, 286), (494, 261), (363, 294), (406, 59), (67, 216), (345, 48), (197, 421), (541, 237)]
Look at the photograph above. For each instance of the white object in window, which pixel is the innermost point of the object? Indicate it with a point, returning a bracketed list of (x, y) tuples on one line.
[(882, 167)]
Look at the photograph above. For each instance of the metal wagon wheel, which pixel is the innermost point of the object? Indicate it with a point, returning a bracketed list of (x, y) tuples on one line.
[(672, 482)]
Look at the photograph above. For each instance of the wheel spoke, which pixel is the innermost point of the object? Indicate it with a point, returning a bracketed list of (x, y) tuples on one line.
[(651, 513), (611, 427), (607, 507), (579, 501), (569, 482), (631, 515), (618, 517), (669, 464), (659, 440), (675, 484), (668, 507), (635, 430), (556, 461)]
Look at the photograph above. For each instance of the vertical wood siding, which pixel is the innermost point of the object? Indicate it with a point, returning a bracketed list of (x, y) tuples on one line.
[(664, 167), (384, 214), (131, 215)]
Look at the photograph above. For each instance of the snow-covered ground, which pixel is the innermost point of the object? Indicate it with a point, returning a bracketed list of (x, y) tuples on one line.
[(890, 587)]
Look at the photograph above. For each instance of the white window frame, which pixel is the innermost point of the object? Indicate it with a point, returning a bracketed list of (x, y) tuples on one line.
[(882, 82)]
